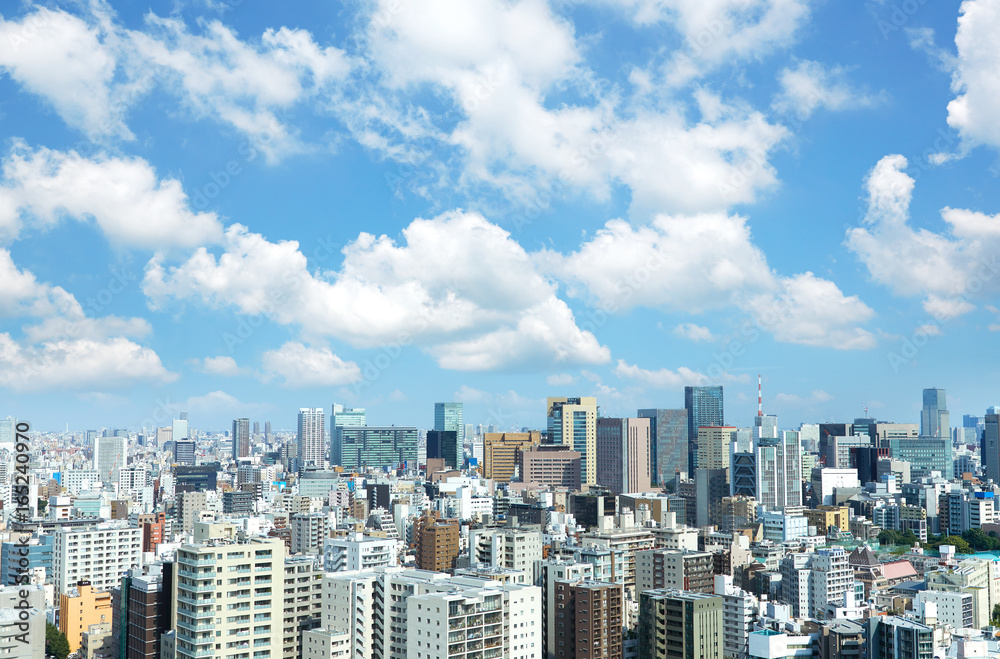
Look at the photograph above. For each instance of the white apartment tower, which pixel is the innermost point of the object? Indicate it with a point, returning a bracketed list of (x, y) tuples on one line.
[(311, 433)]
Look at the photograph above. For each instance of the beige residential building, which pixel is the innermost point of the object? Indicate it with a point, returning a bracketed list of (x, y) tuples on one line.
[(573, 422), (713, 446)]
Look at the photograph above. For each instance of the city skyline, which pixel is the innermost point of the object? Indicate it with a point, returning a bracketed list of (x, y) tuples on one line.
[(386, 219)]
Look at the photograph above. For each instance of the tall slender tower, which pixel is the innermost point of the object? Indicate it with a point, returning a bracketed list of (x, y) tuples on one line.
[(312, 422), (934, 418), (705, 408), (241, 438)]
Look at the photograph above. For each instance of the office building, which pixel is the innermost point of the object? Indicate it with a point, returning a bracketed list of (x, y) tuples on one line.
[(623, 454), (894, 637), (141, 610), (934, 419), (184, 452), (925, 455), (704, 407), (37, 552), (668, 431), (743, 474), (238, 504), (98, 554), (674, 623), (241, 438), (711, 486), (448, 416), (109, 457), (590, 622), (196, 478), (990, 447), (714, 445), (179, 428), (501, 453), (779, 471), (245, 611), (343, 417), (552, 465), (81, 606), (310, 439), (573, 422), (377, 446), (444, 445)]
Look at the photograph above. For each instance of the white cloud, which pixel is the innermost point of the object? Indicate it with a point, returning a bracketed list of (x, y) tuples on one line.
[(306, 366), (80, 364), (67, 61), (718, 32), (812, 85), (219, 403), (238, 83), (506, 411), (950, 272), (123, 196), (223, 365), (929, 330), (976, 78), (561, 379), (817, 397), (485, 306), (665, 378), (693, 332), (709, 261), (21, 294)]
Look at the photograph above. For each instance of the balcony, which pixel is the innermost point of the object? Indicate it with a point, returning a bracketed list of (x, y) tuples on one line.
[(203, 601), (198, 627), (201, 588), (202, 562)]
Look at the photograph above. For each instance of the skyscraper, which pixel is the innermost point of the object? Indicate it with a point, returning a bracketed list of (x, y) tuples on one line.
[(312, 426), (8, 430), (779, 470), (705, 408), (241, 438), (448, 416), (668, 443), (990, 447), (623, 454), (109, 457), (180, 428), (934, 420), (443, 444), (573, 422), (343, 417)]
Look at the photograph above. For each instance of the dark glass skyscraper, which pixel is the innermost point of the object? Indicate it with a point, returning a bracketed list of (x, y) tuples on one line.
[(704, 408), (668, 443), (934, 419), (444, 444)]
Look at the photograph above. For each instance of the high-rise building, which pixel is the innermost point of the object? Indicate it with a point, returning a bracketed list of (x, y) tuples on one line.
[(934, 420), (81, 606), (218, 620), (437, 543), (623, 460), (8, 430), (448, 416), (779, 471), (180, 429), (241, 438), (309, 532), (674, 623), (573, 422), (714, 443), (501, 451), (443, 445), (141, 609), (591, 624), (552, 465), (680, 569), (704, 407), (109, 457), (343, 417), (98, 554), (184, 452), (311, 432), (377, 446), (668, 432), (990, 447)]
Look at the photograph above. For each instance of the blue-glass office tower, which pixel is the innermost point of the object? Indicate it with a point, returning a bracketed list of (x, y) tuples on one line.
[(38, 552), (448, 416), (668, 443), (934, 419), (704, 408)]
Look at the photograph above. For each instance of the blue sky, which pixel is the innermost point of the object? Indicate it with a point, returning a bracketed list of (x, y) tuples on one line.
[(242, 208)]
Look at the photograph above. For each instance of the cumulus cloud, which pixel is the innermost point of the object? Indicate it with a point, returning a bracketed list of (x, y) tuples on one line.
[(302, 366), (561, 379), (223, 365), (124, 197), (486, 306), (949, 270), (693, 332), (794, 400), (665, 378), (976, 77), (811, 86)]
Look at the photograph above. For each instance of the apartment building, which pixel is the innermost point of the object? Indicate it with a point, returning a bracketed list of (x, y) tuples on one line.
[(681, 569), (98, 554)]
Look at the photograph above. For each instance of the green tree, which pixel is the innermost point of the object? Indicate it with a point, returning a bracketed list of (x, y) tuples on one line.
[(960, 544), (996, 614), (56, 643)]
